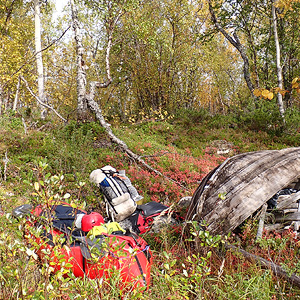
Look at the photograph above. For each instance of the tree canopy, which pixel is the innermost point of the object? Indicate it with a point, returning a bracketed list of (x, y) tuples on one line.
[(163, 55)]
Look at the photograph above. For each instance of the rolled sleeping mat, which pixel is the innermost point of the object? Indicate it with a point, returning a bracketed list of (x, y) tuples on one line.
[(124, 206), (97, 176)]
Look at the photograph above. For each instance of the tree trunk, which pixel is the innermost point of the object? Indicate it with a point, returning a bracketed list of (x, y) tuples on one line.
[(278, 64), (17, 95), (237, 44), (81, 75), (1, 99), (88, 98), (39, 59)]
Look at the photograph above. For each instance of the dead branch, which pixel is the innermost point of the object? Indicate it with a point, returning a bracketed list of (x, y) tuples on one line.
[(5, 160), (39, 101), (94, 107), (88, 98), (25, 126), (43, 126), (261, 221), (277, 270)]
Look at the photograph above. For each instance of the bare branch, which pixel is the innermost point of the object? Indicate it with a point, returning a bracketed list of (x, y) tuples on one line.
[(35, 54), (25, 126), (40, 102), (89, 97), (6, 161), (236, 43), (277, 270), (94, 107)]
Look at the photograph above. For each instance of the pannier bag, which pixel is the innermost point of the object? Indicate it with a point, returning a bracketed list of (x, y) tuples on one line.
[(120, 196)]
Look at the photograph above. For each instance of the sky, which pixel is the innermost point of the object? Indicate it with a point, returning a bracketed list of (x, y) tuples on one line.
[(59, 4)]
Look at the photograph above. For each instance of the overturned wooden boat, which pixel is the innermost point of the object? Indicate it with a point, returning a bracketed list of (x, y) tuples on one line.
[(241, 185)]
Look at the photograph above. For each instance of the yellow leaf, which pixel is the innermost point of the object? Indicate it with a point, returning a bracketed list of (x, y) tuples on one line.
[(283, 92), (257, 92), (73, 204), (295, 80), (265, 93), (270, 96)]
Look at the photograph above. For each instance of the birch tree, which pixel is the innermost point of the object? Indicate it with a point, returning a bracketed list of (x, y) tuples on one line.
[(39, 58), (235, 41), (278, 63), (87, 98), (81, 75)]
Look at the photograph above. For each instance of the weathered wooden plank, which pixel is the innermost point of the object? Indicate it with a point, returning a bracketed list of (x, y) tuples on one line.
[(277, 226), (247, 181), (289, 217), (297, 223), (261, 221), (290, 210), (285, 201)]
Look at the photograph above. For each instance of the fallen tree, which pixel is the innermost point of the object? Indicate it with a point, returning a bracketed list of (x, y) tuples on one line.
[(86, 99), (277, 270)]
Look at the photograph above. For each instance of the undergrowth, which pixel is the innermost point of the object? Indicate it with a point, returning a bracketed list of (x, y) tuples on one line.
[(184, 149)]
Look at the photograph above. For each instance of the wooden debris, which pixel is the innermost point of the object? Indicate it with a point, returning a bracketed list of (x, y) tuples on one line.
[(297, 223), (287, 212), (261, 221), (277, 270), (288, 201)]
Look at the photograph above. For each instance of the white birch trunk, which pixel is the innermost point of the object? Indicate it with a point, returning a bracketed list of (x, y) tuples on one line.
[(81, 75), (278, 64), (17, 95), (1, 95), (39, 59)]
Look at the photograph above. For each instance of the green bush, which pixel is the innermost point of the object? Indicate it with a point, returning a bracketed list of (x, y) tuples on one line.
[(74, 130), (190, 117), (264, 117), (292, 118), (245, 287), (11, 121)]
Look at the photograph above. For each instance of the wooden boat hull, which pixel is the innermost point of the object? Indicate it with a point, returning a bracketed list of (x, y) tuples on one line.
[(237, 188)]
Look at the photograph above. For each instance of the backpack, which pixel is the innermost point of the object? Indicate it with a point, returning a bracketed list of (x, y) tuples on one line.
[(120, 196)]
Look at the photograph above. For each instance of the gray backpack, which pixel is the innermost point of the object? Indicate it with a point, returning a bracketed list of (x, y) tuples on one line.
[(119, 194)]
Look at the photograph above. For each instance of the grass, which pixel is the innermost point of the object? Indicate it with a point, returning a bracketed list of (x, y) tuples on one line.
[(183, 149)]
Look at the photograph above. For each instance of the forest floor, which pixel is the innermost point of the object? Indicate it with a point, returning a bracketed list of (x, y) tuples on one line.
[(184, 149)]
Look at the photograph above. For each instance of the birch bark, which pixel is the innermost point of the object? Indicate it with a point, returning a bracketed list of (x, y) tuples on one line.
[(39, 58), (17, 95), (87, 99), (81, 75), (278, 63)]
